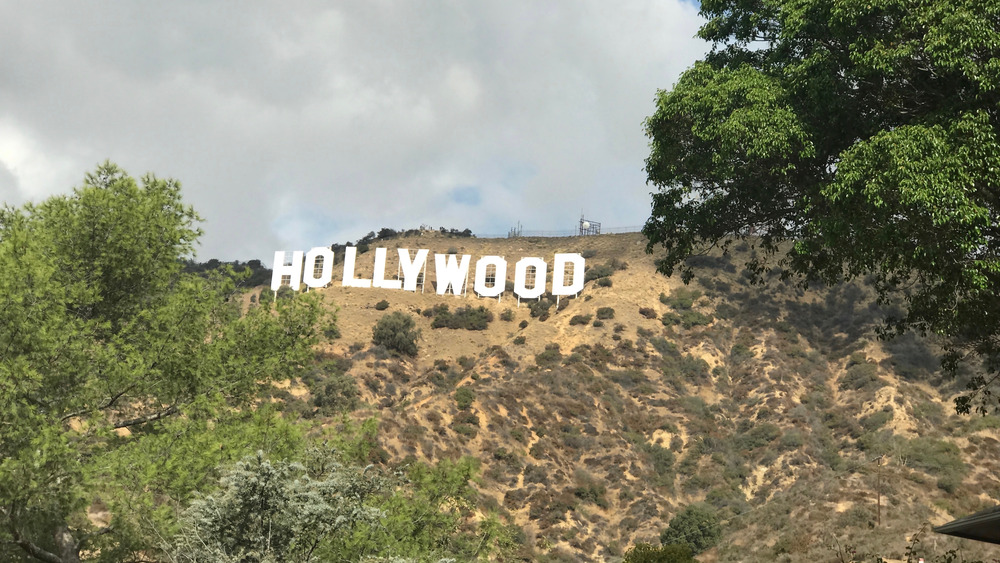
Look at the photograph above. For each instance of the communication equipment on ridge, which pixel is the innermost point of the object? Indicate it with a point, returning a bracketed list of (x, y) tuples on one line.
[(515, 232), (589, 227)]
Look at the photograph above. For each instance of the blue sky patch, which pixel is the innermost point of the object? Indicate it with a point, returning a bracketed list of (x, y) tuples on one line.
[(466, 195)]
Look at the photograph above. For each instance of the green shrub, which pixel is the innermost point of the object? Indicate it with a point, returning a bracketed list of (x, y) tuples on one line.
[(464, 397), (861, 377), (466, 362), (758, 436), (726, 311), (588, 254), (670, 319), (665, 348), (696, 526), (519, 340), (695, 369), (598, 323), (617, 265), (592, 492), (523, 324), (436, 310), (507, 315), (396, 332), (382, 305), (332, 390), (672, 553), (681, 299), (605, 313), (740, 353), (792, 440), (284, 293), (604, 282), (936, 457), (598, 272), (580, 320), (876, 420), (627, 378), (647, 312), (467, 317), (662, 460), (550, 357), (540, 308), (690, 319)]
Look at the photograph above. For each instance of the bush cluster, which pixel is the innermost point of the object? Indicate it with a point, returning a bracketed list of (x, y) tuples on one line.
[(468, 317), (687, 319), (550, 357), (696, 526), (396, 331), (681, 299), (464, 397), (540, 309), (861, 376), (605, 313)]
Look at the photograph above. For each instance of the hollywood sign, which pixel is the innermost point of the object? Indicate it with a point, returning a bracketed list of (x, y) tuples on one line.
[(315, 269)]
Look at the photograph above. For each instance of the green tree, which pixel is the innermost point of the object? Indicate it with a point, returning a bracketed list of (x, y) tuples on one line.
[(396, 332), (116, 364), (845, 138), (646, 553), (325, 508), (279, 511), (696, 526)]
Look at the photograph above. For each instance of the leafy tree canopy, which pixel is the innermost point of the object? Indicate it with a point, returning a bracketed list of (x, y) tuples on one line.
[(396, 331), (845, 138), (325, 510), (696, 526), (123, 380)]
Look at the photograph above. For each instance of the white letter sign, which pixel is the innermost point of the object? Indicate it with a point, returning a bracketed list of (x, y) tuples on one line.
[(451, 272), (499, 276), (293, 270), (559, 286), (411, 270), (521, 278), (326, 274)]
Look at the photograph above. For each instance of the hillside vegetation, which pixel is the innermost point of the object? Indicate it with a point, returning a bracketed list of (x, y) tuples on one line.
[(773, 410)]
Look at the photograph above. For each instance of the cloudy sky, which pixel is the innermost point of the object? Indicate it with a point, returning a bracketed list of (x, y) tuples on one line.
[(299, 124)]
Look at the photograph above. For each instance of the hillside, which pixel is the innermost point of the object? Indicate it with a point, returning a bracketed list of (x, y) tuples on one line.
[(598, 424)]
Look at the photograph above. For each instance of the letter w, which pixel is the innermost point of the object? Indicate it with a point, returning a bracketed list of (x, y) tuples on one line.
[(454, 273)]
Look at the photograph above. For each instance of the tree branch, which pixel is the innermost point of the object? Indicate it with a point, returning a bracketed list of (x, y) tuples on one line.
[(148, 418), (25, 544), (111, 402)]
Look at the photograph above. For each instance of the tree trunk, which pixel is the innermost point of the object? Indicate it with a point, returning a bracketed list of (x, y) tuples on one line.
[(67, 545)]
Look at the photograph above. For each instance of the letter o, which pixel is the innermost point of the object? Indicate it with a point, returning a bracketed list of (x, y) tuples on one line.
[(521, 275)]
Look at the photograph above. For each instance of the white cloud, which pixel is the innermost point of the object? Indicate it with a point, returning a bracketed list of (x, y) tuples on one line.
[(297, 125)]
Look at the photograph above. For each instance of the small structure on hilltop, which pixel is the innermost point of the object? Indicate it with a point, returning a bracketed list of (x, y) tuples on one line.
[(588, 227)]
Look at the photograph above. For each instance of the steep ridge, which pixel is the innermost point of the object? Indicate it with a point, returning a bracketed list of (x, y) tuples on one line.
[(768, 404)]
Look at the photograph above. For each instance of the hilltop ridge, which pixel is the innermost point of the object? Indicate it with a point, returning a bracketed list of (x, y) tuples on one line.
[(637, 398)]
